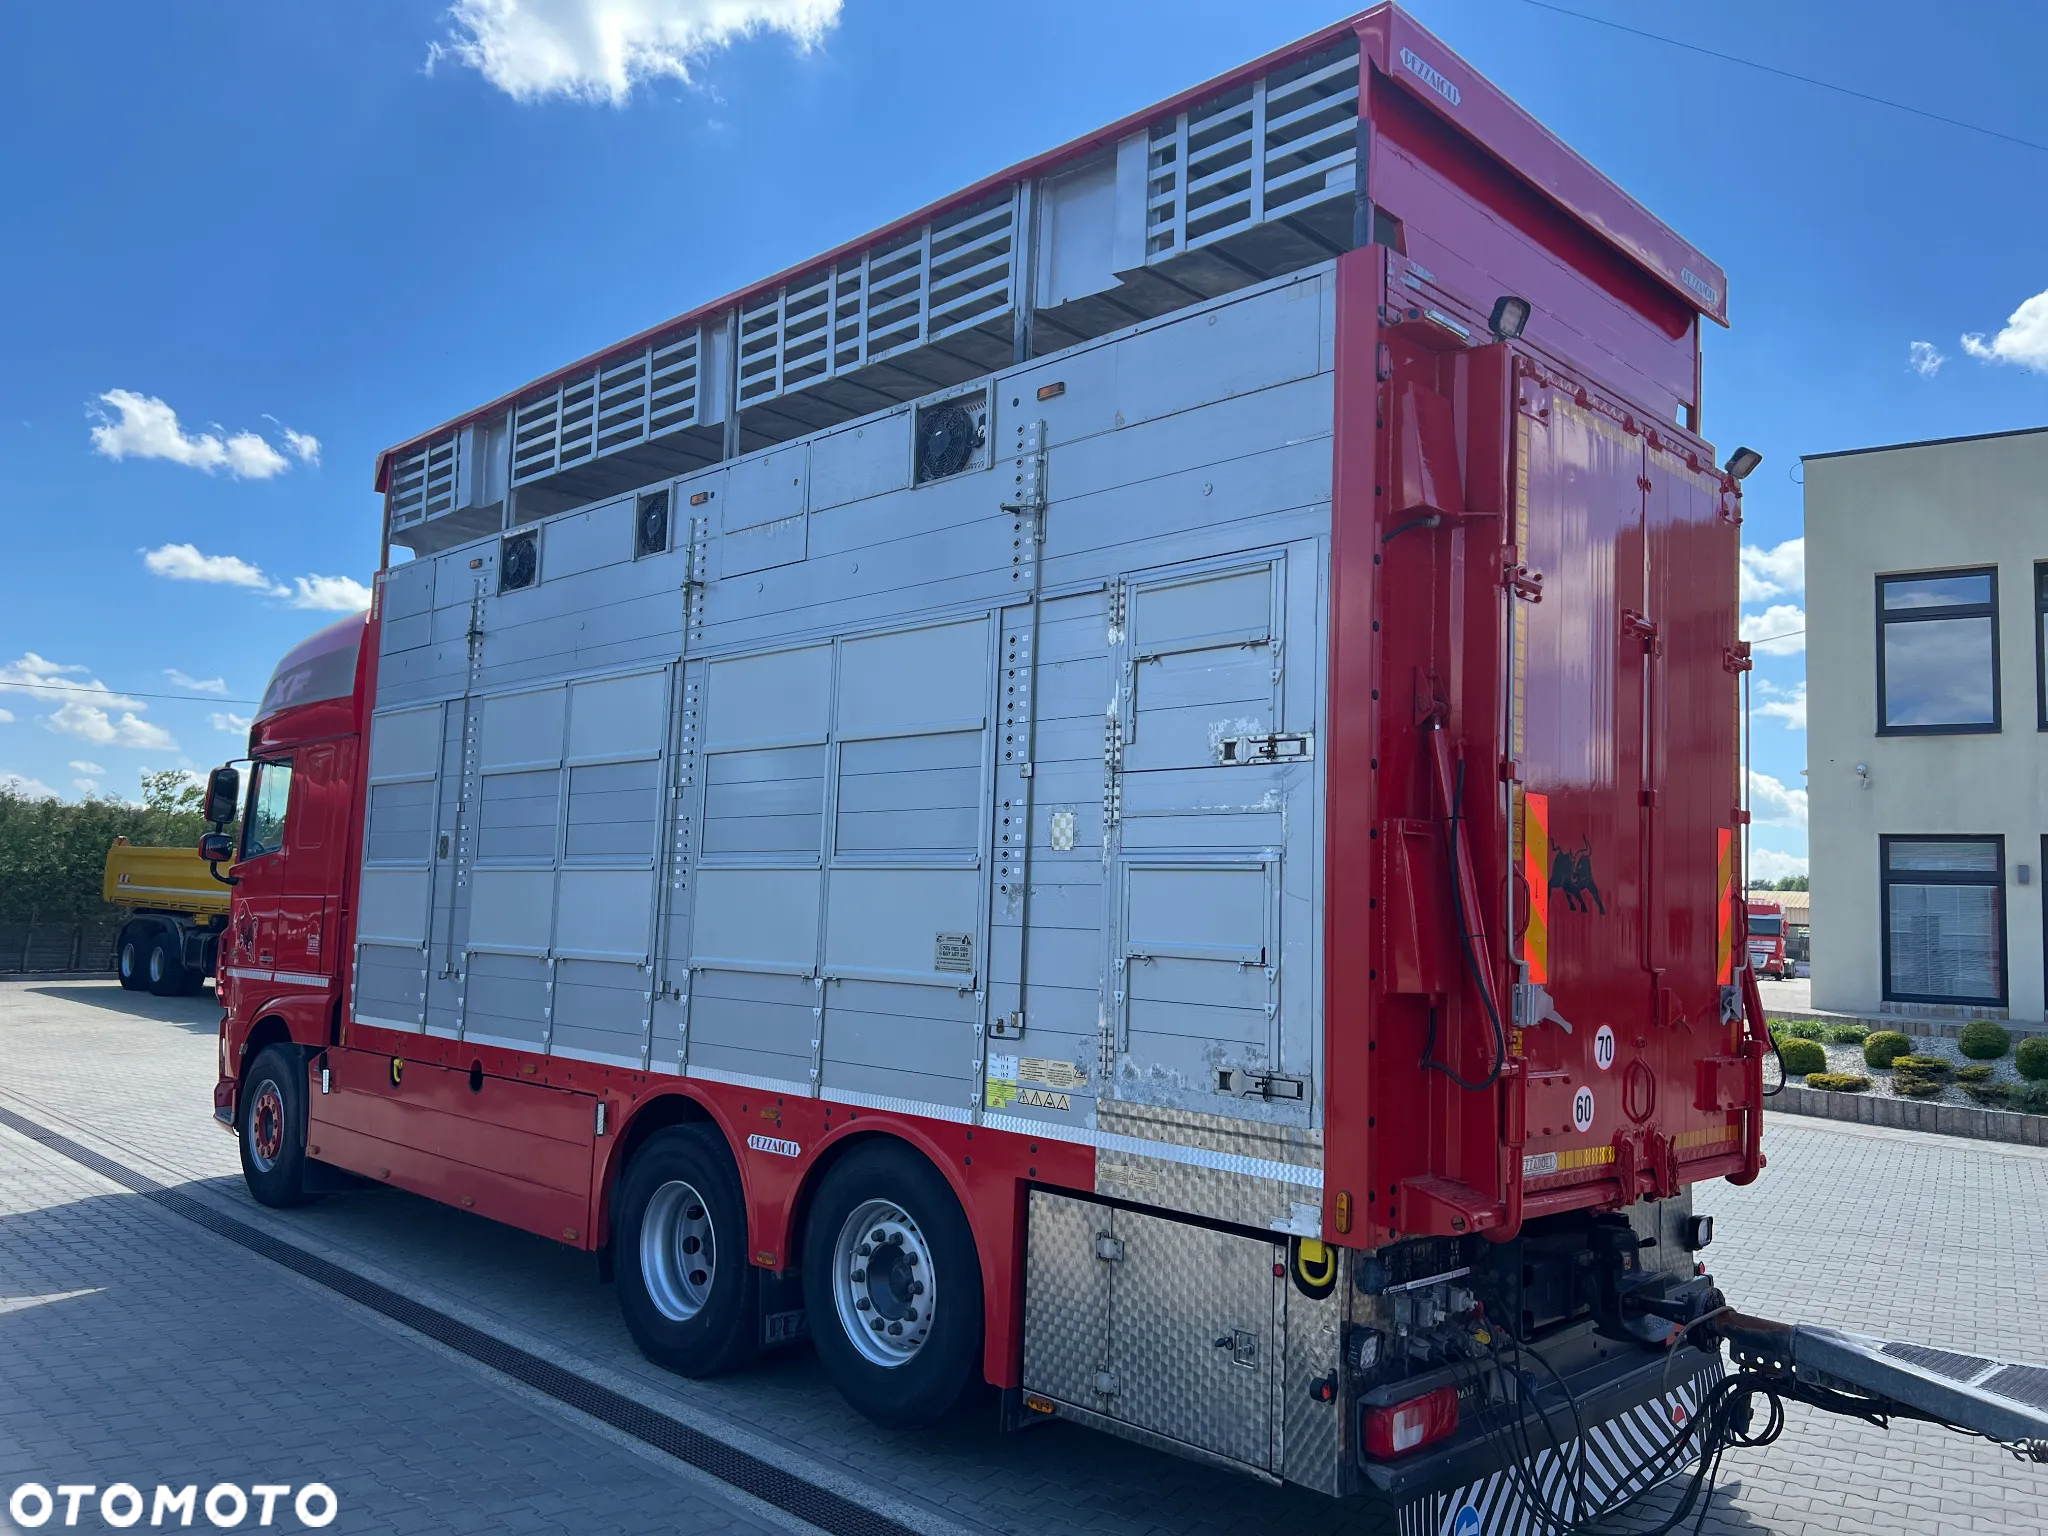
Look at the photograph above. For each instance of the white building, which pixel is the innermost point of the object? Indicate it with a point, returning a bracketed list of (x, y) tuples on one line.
[(1927, 703)]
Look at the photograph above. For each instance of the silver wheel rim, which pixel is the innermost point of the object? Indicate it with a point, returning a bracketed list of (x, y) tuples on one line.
[(128, 959), (678, 1251), (883, 1282), (156, 965)]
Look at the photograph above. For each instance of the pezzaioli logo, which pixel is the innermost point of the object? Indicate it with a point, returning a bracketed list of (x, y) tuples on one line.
[(1429, 75), (1699, 285), (122, 1504)]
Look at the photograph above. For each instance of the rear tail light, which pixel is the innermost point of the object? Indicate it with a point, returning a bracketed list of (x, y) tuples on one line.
[(1405, 1427)]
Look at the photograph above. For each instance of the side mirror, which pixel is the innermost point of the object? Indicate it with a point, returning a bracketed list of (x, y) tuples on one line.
[(223, 796), (216, 847)]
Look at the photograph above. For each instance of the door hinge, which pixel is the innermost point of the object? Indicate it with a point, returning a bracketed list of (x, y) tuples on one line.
[(1291, 747), (1522, 582), (1736, 658), (1260, 1085), (1109, 1249)]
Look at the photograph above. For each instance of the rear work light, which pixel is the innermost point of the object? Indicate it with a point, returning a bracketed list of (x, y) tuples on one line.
[(1405, 1427)]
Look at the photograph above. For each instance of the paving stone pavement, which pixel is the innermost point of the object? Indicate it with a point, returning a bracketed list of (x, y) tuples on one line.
[(1933, 1239)]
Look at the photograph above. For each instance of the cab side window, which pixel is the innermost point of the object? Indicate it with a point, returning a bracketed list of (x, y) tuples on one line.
[(269, 802)]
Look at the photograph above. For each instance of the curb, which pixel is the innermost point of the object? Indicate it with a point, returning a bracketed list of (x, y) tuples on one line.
[(1913, 1115)]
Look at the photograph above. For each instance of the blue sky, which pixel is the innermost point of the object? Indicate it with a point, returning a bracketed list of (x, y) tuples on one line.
[(250, 244)]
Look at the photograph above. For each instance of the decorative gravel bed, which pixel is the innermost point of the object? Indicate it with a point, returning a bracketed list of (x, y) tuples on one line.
[(1849, 1058)]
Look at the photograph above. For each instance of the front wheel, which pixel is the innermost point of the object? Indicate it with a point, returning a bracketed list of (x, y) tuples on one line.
[(892, 1285), (273, 1128), (690, 1296)]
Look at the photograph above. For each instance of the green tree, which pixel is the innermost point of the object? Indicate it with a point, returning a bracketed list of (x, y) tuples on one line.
[(53, 853)]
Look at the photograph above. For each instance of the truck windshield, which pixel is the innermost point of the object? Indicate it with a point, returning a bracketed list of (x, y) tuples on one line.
[(269, 800), (1766, 927)]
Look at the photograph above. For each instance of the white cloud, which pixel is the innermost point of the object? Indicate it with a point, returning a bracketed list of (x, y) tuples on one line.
[(1786, 704), (325, 594), (48, 680), (1925, 359), (2024, 339), (597, 50), (91, 723), (148, 429), (86, 786), (81, 766), (1780, 630), (1774, 804), (305, 447), (331, 594), (27, 788), (196, 684), (184, 562), (224, 720), (1773, 572), (6, 717), (1770, 864)]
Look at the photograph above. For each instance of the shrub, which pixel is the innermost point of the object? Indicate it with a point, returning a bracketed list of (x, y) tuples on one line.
[(1838, 1082), (2027, 1098), (2030, 1097), (1802, 1029), (1881, 1048), (1982, 1040), (1914, 1085), (2032, 1058), (1802, 1056), (1991, 1095), (1849, 1034), (1981, 1073), (1923, 1066)]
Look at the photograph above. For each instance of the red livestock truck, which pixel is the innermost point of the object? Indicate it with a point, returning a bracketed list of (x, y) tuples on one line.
[(1766, 924), (1126, 789)]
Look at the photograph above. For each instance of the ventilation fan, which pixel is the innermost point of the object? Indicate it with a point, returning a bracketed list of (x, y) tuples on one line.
[(518, 561), (947, 436), (650, 525)]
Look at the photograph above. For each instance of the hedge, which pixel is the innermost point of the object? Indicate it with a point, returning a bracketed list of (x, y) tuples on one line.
[(1802, 1056), (1838, 1082), (1982, 1040), (1882, 1047)]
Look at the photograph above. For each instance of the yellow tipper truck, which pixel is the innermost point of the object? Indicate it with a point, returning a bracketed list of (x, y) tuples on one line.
[(177, 912)]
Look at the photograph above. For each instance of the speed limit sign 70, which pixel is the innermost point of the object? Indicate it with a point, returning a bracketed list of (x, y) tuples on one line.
[(1603, 1047)]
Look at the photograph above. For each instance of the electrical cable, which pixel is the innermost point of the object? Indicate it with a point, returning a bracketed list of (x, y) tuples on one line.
[(1500, 1038), (112, 696), (1786, 74)]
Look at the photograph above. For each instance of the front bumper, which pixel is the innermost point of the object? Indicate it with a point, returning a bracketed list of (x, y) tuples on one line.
[(1632, 1409)]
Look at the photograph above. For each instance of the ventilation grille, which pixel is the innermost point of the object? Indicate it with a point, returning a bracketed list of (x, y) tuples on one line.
[(1262, 152), (946, 278), (423, 482), (627, 401), (518, 561)]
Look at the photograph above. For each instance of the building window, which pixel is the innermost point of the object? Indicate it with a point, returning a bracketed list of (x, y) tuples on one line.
[(1944, 919), (2041, 639), (1937, 653)]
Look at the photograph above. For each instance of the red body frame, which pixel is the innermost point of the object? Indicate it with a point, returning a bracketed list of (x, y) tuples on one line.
[(1484, 201)]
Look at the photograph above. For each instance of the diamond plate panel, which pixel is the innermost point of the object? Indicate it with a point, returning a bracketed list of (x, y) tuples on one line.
[(1228, 1181), (1312, 1432), (1066, 1298), (1193, 1354)]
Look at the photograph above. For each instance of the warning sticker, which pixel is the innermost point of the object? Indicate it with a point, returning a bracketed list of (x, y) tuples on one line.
[(1054, 1074), (1040, 1098), (953, 952), (1001, 1089)]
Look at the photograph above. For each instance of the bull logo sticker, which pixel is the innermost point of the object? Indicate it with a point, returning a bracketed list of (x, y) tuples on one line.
[(1572, 872)]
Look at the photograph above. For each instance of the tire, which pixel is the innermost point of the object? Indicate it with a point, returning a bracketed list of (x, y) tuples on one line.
[(131, 958), (271, 1127), (901, 1349), (167, 965), (690, 1296)]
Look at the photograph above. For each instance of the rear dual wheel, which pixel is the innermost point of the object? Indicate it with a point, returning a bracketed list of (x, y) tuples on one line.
[(690, 1296), (892, 1286)]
